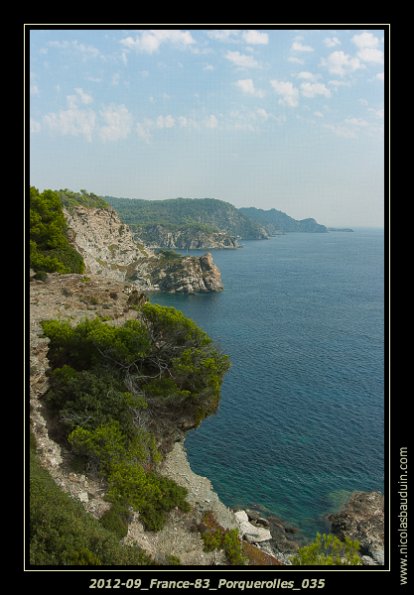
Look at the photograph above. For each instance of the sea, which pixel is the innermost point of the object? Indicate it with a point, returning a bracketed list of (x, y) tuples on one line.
[(300, 424)]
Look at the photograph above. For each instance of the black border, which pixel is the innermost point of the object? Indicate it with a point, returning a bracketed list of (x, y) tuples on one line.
[(369, 577)]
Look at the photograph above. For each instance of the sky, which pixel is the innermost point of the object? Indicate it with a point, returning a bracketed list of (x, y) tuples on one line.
[(286, 119)]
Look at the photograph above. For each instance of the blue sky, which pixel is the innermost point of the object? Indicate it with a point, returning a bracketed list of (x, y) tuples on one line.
[(268, 118)]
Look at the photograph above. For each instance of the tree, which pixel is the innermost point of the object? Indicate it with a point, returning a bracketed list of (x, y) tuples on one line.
[(328, 550)]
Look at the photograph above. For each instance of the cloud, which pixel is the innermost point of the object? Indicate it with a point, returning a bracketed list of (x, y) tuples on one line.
[(289, 95), (34, 89), (331, 42), (365, 40), (143, 131), (371, 55), (306, 76), (208, 67), (380, 76), (79, 97), (149, 42), (368, 50), (224, 35), (118, 122), (295, 60), (378, 113), (253, 37), (314, 89), (242, 60), (34, 126), (318, 114), (165, 121), (340, 63), (72, 122), (341, 130), (247, 87), (86, 51), (212, 121), (356, 122), (262, 113), (298, 46)]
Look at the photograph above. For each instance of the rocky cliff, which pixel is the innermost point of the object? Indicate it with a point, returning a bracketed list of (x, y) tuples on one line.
[(362, 518), (188, 238), (109, 250)]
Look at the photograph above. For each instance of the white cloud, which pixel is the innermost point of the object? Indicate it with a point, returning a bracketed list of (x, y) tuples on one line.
[(295, 60), (143, 131), (212, 121), (365, 40), (298, 46), (247, 86), (306, 76), (341, 130), (262, 113), (368, 50), (314, 89), (335, 83), (254, 37), (289, 95), (242, 60), (86, 51), (318, 114), (371, 55), (34, 89), (208, 67), (380, 76), (225, 35), (118, 123), (84, 98), (356, 122), (72, 122), (340, 63), (378, 113), (35, 126), (150, 41), (331, 42), (165, 121)]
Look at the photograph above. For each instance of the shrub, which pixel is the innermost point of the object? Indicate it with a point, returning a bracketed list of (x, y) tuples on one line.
[(116, 519), (328, 550), (216, 537), (63, 534), (50, 249)]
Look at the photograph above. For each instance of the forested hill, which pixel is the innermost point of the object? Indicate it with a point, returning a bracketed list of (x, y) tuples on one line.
[(275, 221), (208, 213)]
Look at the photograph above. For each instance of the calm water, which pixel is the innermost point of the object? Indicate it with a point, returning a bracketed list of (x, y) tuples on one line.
[(300, 424)]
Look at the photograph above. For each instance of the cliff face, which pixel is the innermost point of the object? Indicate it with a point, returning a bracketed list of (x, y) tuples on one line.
[(189, 238), (109, 250), (362, 518)]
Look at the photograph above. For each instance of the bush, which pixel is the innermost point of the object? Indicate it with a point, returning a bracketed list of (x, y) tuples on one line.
[(63, 534), (216, 537), (50, 249), (116, 519), (328, 550)]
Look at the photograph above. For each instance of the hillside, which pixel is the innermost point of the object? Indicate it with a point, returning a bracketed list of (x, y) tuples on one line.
[(275, 221), (207, 214)]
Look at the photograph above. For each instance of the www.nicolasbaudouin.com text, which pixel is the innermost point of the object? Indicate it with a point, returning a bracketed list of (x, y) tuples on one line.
[(403, 514)]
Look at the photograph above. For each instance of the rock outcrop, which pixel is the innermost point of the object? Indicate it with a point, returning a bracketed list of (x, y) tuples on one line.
[(362, 518), (188, 238), (109, 250)]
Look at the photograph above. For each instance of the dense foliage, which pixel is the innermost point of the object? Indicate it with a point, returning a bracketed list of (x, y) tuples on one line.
[(72, 199), (206, 214), (109, 383), (276, 221), (328, 550), (50, 249), (215, 537), (63, 534)]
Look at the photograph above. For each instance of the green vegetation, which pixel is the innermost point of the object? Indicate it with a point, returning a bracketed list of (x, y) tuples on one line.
[(50, 249), (90, 200), (328, 550), (63, 534), (215, 537), (203, 214), (107, 385), (275, 221)]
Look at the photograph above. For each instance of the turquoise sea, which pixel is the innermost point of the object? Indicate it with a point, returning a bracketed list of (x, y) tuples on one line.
[(301, 419)]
